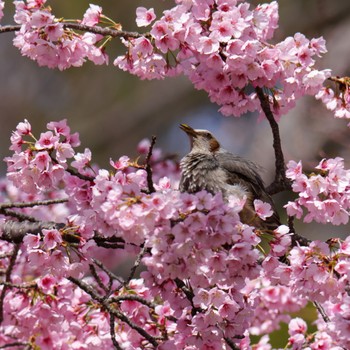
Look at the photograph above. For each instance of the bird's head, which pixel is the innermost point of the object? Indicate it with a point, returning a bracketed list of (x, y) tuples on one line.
[(201, 140)]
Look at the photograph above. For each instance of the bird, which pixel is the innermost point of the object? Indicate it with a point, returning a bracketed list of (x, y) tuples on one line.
[(210, 167)]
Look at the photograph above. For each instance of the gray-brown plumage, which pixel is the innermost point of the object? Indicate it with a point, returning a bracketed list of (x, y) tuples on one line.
[(210, 167)]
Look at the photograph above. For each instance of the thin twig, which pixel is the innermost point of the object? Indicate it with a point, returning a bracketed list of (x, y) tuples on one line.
[(189, 295), (80, 176), (18, 286), (17, 343), (8, 278), (84, 28), (109, 273), (148, 168), (112, 311), (133, 297), (136, 264), (32, 204), (98, 279), (320, 309), (104, 31)]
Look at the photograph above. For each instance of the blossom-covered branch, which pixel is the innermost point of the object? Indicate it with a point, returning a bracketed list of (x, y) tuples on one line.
[(207, 279)]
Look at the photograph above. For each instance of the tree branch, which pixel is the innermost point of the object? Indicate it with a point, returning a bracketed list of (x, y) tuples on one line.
[(112, 331), (84, 28), (136, 264), (320, 309), (280, 182), (32, 204), (17, 343), (112, 311), (8, 279), (15, 231), (148, 167)]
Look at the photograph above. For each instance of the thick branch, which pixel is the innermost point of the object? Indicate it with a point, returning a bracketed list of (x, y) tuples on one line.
[(280, 182), (14, 231)]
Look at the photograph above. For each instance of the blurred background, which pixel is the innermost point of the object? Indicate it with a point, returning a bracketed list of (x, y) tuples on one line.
[(113, 110)]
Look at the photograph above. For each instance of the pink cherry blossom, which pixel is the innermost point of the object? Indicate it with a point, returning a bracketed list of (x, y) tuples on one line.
[(92, 15), (324, 196), (144, 17), (263, 210)]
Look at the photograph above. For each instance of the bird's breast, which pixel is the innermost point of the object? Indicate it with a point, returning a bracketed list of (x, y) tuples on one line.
[(201, 172)]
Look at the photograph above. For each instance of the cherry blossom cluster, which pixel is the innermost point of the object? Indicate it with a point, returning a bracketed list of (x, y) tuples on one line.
[(337, 100), (324, 194), (44, 38), (53, 315), (214, 253), (300, 338), (318, 273), (39, 164), (207, 284), (167, 223), (273, 305), (222, 47)]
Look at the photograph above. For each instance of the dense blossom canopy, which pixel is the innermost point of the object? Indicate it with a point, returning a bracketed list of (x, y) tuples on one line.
[(208, 281)]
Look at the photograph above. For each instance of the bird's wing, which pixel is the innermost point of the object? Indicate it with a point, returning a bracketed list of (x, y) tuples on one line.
[(244, 172)]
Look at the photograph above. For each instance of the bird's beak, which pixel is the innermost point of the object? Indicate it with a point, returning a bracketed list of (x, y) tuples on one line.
[(188, 130)]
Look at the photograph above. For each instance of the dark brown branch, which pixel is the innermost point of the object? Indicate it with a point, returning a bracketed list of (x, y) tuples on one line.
[(109, 273), (18, 286), (98, 279), (112, 331), (84, 28), (320, 309), (112, 242), (18, 215), (189, 295), (297, 239), (14, 231), (8, 279), (32, 204), (280, 182), (73, 172), (17, 343), (112, 311), (103, 31), (148, 167), (80, 176), (231, 344), (136, 264), (133, 297)]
